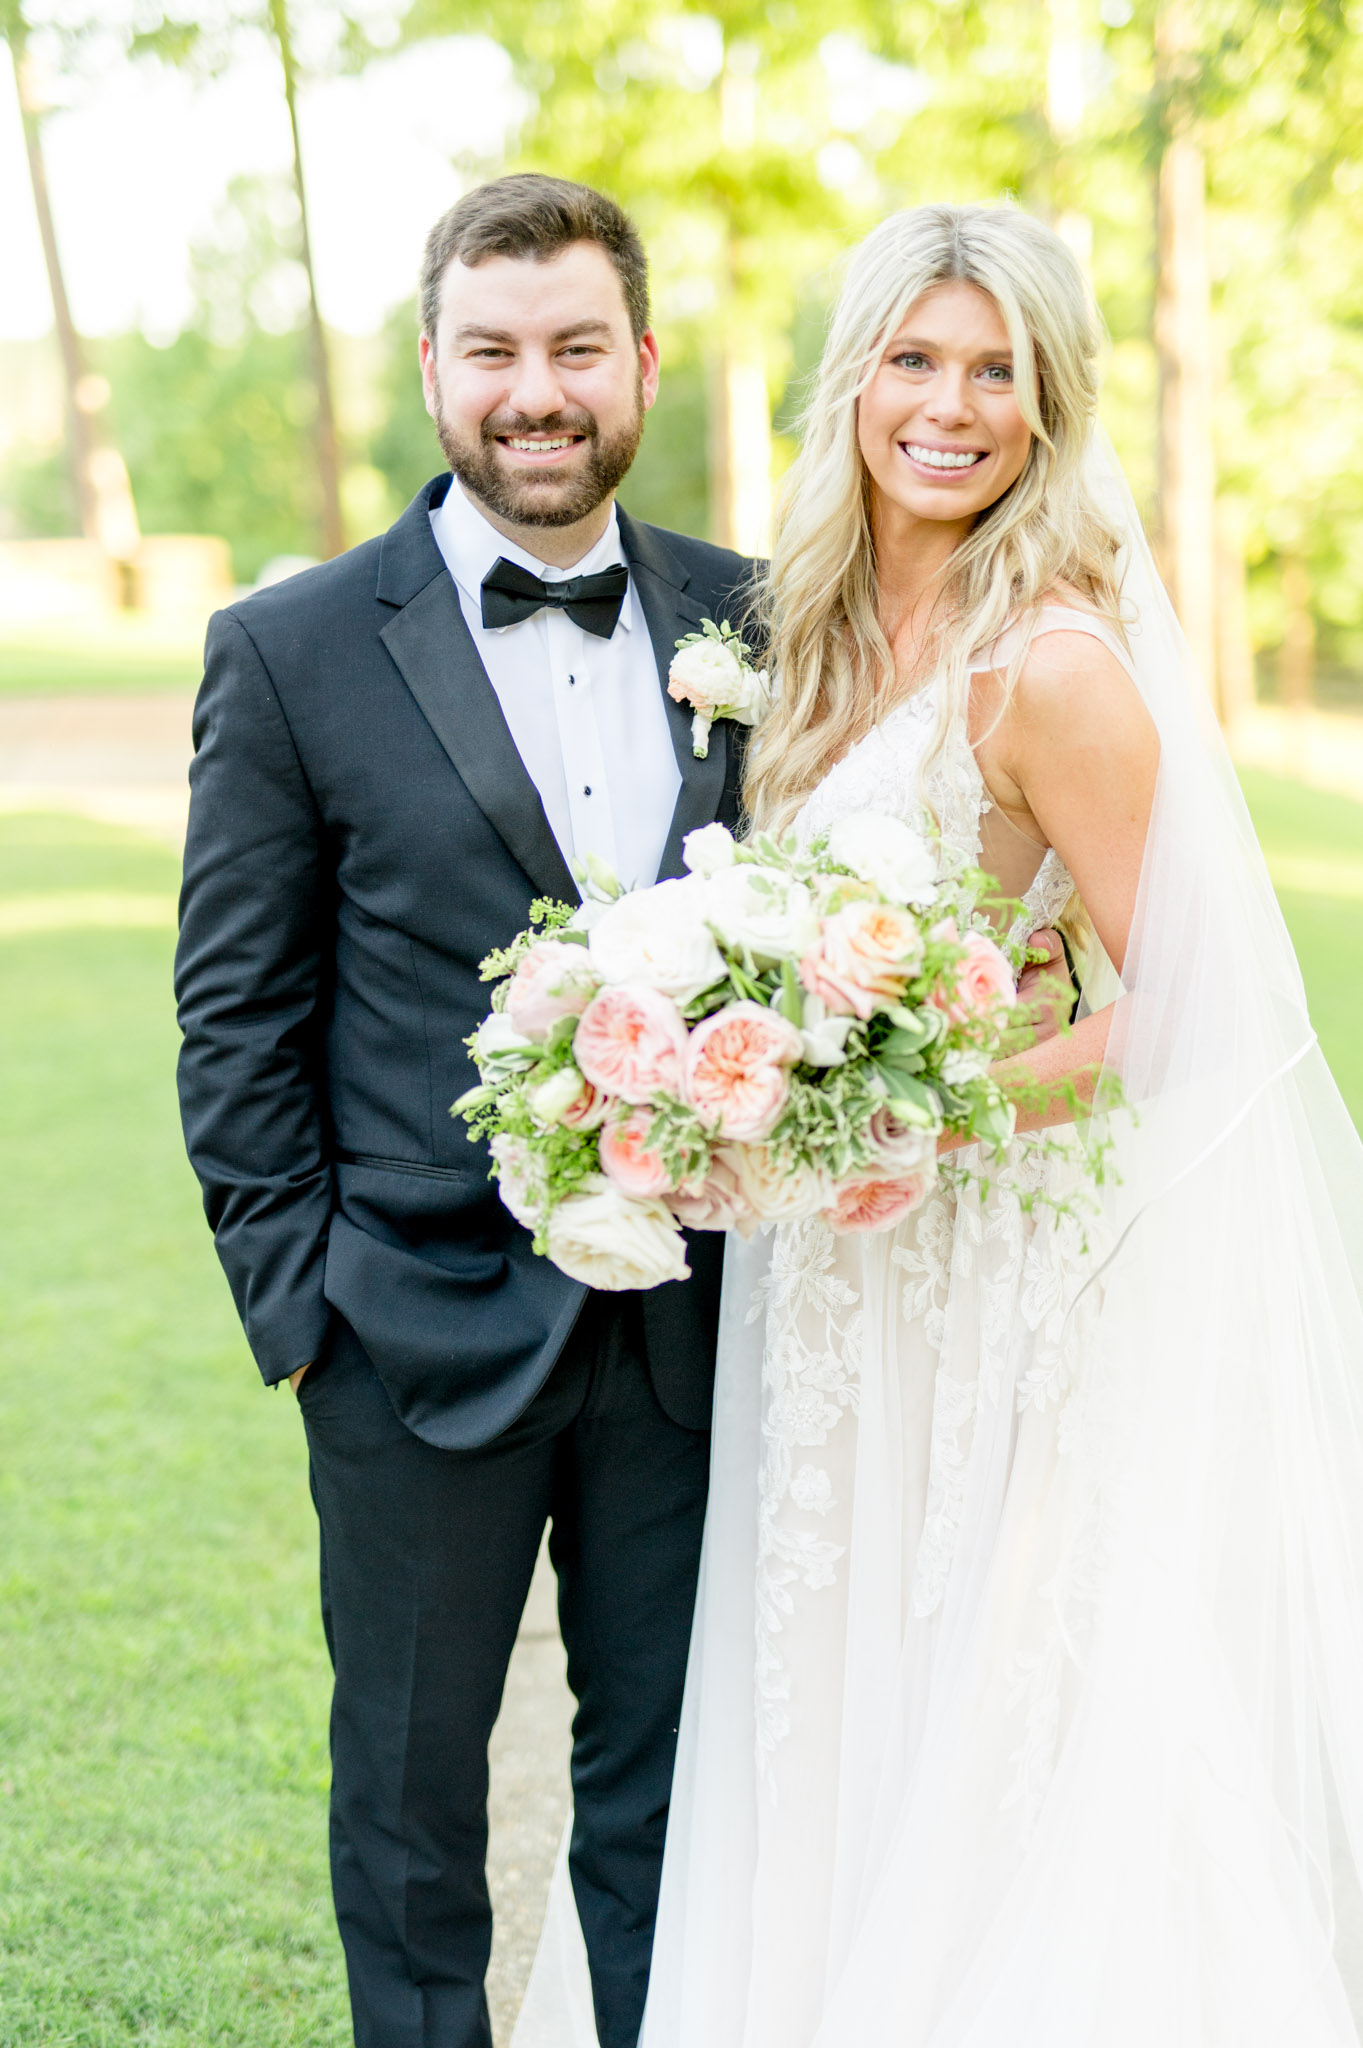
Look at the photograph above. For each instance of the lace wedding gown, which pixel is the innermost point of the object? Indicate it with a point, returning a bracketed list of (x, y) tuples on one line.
[(964, 1762)]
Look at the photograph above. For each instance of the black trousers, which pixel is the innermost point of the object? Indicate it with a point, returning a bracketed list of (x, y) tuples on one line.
[(427, 1557)]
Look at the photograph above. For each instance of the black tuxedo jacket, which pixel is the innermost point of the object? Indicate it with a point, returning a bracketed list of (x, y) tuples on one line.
[(361, 833)]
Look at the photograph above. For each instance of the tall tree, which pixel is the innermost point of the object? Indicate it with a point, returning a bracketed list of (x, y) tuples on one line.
[(99, 475), (327, 443)]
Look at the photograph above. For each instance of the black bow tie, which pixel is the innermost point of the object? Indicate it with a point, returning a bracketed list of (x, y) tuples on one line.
[(511, 593)]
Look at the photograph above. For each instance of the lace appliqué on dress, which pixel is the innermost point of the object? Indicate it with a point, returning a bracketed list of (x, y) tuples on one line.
[(810, 1374)]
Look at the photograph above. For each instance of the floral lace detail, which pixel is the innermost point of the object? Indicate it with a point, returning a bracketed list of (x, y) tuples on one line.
[(810, 1374)]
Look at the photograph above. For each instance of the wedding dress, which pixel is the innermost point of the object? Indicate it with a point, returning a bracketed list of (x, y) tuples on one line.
[(1025, 1704)]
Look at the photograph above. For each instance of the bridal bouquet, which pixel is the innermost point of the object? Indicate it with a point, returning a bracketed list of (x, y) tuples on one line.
[(781, 1033)]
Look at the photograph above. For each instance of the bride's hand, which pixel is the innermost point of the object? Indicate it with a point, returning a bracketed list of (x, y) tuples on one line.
[(1045, 989)]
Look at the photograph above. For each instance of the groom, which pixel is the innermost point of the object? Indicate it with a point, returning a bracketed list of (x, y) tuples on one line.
[(395, 754)]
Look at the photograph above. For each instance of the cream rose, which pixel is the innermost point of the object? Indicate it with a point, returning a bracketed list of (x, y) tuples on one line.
[(864, 955), (659, 937), (631, 1042), (763, 910), (777, 1193), (735, 1071), (706, 674), (887, 853), (608, 1240)]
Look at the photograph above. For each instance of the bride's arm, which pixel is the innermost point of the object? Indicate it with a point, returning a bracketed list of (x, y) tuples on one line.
[(1074, 760)]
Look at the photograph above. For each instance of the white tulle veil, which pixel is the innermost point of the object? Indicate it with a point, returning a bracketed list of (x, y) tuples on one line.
[(1200, 1833)]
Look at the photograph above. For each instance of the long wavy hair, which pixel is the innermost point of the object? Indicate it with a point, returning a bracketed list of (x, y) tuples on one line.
[(835, 673)]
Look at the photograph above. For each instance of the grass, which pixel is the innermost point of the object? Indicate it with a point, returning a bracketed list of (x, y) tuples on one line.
[(162, 1679), (113, 656)]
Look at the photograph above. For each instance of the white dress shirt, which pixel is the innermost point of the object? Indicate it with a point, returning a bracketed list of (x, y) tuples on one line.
[(586, 714)]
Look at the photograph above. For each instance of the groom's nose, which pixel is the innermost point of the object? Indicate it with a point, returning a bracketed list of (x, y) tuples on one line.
[(535, 389)]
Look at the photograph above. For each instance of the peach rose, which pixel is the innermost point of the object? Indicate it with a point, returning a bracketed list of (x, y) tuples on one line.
[(864, 955), (631, 1042), (715, 1203), (626, 1156), (983, 980), (875, 1204), (552, 981), (735, 1077)]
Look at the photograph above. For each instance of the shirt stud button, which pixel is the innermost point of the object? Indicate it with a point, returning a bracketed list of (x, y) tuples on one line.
[(586, 789)]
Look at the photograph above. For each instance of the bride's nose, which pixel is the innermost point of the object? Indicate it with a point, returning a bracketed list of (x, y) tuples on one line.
[(948, 402)]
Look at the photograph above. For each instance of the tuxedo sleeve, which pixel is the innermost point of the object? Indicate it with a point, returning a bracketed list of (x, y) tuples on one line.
[(254, 914)]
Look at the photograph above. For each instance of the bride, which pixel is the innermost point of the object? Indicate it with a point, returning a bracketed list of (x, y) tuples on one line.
[(1025, 1705)]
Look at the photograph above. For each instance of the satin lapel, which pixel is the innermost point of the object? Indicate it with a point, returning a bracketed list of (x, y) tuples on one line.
[(670, 611), (439, 663)]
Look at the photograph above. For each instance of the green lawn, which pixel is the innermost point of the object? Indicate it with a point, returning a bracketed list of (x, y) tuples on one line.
[(162, 1679), (117, 657)]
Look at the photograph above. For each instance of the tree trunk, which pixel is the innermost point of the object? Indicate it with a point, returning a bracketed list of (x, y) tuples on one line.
[(328, 449), (1234, 647), (1185, 344), (1297, 655), (740, 409), (99, 475)]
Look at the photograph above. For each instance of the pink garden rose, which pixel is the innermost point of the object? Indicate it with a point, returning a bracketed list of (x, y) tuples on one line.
[(984, 980), (631, 1042), (626, 1157), (875, 1204), (864, 955), (716, 1203), (735, 1077), (553, 980)]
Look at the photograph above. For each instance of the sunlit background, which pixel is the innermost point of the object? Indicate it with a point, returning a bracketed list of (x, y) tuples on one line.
[(210, 224)]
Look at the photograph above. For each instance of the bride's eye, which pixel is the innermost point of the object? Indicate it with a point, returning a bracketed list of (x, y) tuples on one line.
[(998, 373), (910, 359)]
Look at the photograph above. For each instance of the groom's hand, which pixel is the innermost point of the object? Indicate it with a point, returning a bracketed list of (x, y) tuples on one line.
[(1045, 988), (295, 1377)]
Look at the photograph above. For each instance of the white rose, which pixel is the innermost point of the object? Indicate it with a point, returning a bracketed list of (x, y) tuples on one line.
[(708, 849), (705, 675), (659, 936), (964, 1064), (777, 1192), (762, 909), (752, 697), (903, 1148), (518, 1180), (823, 1038), (497, 1042), (553, 1098), (887, 853), (612, 1241)]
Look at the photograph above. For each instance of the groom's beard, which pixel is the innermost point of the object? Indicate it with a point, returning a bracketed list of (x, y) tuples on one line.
[(541, 497)]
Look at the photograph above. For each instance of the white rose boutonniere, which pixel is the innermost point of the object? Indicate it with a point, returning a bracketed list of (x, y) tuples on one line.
[(712, 673)]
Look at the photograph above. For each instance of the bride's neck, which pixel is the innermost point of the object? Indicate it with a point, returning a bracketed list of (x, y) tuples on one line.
[(911, 563)]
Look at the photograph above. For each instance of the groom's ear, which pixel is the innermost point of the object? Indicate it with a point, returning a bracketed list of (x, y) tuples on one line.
[(648, 367), (425, 350)]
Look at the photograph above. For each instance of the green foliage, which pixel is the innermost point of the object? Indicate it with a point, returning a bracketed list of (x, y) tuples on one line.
[(216, 438)]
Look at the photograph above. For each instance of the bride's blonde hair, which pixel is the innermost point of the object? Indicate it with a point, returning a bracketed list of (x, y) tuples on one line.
[(834, 668)]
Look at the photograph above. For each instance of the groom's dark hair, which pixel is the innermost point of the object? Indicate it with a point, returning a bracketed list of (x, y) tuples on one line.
[(530, 215)]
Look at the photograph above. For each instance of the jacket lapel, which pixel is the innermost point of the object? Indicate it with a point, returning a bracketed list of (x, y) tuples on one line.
[(435, 655), (670, 611)]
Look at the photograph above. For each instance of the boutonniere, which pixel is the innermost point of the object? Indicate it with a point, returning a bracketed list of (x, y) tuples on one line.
[(712, 673)]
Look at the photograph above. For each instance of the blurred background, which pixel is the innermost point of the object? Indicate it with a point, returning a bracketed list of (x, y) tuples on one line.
[(211, 217)]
